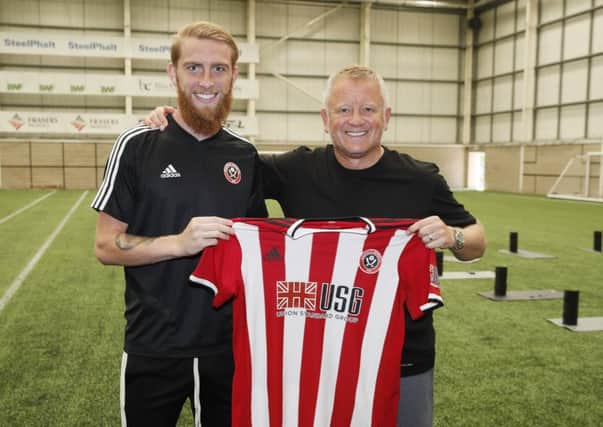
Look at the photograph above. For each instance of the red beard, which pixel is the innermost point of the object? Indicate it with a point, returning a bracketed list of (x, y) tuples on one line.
[(204, 121)]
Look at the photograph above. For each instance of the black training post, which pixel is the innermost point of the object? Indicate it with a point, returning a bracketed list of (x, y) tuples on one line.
[(597, 241), (513, 242), (500, 281), (570, 307), (440, 262)]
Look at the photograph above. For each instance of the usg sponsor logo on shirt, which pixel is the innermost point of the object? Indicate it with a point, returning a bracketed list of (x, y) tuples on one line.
[(170, 172), (331, 301)]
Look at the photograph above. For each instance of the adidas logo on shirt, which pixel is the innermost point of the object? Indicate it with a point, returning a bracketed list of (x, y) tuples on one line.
[(170, 172), (273, 255)]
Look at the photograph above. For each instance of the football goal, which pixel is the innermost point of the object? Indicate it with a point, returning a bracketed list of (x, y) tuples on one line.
[(581, 179)]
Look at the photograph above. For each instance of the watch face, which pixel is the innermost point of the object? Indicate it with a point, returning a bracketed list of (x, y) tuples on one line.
[(459, 239)]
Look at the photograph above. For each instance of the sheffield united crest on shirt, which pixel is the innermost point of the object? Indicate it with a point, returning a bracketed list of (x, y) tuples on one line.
[(232, 172), (370, 261)]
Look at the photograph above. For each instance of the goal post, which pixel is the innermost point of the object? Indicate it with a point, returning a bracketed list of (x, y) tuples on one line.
[(580, 179)]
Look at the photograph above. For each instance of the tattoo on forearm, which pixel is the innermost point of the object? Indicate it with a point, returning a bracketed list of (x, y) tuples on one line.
[(126, 242)]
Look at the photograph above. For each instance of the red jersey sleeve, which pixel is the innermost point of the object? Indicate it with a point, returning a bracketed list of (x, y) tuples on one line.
[(419, 273), (220, 270)]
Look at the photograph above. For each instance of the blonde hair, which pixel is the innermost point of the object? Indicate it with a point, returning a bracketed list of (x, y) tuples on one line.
[(203, 30), (356, 72)]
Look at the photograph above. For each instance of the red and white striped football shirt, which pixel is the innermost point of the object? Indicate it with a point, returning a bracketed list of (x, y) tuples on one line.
[(318, 316)]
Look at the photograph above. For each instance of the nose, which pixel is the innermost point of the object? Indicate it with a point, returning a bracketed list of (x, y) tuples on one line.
[(356, 117), (205, 80)]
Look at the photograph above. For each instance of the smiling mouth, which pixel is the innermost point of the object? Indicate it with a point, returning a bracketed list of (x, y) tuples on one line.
[(205, 97), (356, 133)]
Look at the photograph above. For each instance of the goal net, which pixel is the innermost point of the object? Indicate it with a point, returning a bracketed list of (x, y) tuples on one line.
[(581, 179)]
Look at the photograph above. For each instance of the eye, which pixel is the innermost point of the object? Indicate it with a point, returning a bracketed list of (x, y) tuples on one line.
[(220, 68), (369, 109), (193, 68), (343, 110)]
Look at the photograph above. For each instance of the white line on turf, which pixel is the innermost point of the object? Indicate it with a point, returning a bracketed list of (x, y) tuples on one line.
[(24, 208), (14, 286)]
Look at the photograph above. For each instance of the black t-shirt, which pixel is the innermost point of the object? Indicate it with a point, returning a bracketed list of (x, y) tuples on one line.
[(156, 182), (312, 184)]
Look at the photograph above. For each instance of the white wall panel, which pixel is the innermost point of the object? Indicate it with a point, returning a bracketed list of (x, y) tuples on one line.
[(486, 33), (598, 31), (343, 24), (482, 129), (57, 13), (298, 100), (426, 28), (503, 92), (598, 2), (271, 19), (105, 14), (517, 127), (305, 127), (151, 14), (572, 122), (409, 27), (272, 59), (231, 14), (444, 64), (551, 10), (595, 124), (446, 29), (501, 128), (549, 44), (442, 130), (519, 54), (425, 98), (518, 92), (421, 130), (390, 94), (575, 6), (505, 19), (576, 40), (596, 78), (384, 25), (443, 98), (384, 60), (521, 15), (574, 80), (26, 14), (339, 55), (411, 97), (272, 126), (546, 124), (414, 62), (547, 84), (273, 94), (306, 57), (484, 61), (483, 97), (503, 57), (299, 15), (409, 129)]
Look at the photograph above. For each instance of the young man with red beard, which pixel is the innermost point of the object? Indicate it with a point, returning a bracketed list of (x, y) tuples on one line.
[(164, 198)]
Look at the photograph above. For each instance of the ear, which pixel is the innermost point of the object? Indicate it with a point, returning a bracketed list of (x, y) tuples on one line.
[(171, 70), (325, 119), (386, 116), (235, 73)]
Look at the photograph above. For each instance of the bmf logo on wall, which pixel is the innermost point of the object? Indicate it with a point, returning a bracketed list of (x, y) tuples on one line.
[(299, 298), (232, 173)]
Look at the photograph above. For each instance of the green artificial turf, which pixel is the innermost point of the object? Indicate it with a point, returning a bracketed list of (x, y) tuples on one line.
[(498, 363)]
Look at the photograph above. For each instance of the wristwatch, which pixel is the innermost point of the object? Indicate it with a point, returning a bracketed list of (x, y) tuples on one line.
[(459, 239)]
